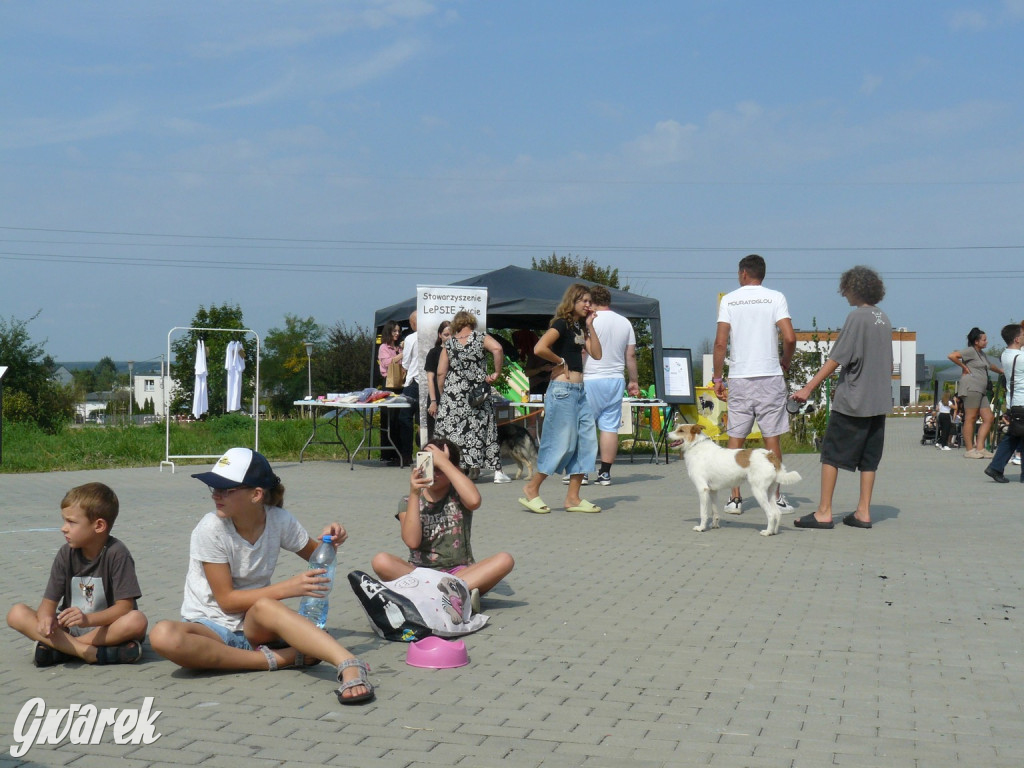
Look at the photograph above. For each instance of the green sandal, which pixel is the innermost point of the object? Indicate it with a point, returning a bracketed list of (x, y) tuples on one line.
[(362, 698)]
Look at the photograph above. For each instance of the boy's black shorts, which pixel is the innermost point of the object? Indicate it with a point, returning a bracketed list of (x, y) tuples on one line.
[(853, 442)]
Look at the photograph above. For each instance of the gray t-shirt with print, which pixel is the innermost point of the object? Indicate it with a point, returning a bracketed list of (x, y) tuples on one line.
[(864, 350)]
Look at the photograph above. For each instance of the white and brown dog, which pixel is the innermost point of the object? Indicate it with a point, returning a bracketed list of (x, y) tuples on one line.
[(712, 467)]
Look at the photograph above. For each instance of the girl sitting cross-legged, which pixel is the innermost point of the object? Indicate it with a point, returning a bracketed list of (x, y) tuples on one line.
[(232, 614)]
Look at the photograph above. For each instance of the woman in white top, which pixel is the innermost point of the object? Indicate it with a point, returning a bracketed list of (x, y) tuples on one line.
[(944, 423)]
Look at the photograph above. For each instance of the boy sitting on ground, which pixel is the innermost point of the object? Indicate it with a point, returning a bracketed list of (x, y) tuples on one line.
[(89, 610)]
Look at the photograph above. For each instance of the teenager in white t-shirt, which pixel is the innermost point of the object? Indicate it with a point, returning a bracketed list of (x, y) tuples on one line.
[(232, 614), (602, 378), (750, 321)]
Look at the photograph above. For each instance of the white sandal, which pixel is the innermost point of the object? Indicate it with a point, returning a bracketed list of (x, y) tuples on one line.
[(271, 659), (359, 681), (300, 660)]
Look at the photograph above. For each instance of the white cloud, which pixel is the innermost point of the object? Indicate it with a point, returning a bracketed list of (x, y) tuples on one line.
[(433, 121), (273, 92), (37, 132), (669, 142), (1015, 8), (314, 85), (968, 19), (379, 14), (381, 63), (870, 84)]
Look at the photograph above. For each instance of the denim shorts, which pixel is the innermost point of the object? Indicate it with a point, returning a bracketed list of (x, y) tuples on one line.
[(569, 440), (605, 398), (232, 639)]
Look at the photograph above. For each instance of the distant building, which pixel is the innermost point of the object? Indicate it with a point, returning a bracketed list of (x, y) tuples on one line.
[(95, 404), (908, 369), (153, 387), (62, 376)]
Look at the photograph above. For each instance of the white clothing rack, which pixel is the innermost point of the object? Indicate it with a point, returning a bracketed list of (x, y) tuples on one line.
[(167, 415)]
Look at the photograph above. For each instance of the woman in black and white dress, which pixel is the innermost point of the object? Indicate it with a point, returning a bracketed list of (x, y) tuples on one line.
[(463, 365)]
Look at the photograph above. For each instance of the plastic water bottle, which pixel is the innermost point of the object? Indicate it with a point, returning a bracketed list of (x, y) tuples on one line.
[(315, 608)]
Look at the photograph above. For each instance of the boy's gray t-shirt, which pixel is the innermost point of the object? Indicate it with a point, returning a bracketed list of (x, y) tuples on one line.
[(864, 350), (93, 585)]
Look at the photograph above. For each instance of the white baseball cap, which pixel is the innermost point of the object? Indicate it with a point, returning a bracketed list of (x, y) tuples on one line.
[(240, 467)]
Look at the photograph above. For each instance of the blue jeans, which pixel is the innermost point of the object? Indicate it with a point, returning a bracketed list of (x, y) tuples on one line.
[(569, 440), (1006, 448)]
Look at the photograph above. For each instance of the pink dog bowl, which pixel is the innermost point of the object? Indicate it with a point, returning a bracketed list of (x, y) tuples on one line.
[(437, 653)]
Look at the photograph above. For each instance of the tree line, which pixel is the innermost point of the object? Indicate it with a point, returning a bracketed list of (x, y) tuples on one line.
[(341, 359)]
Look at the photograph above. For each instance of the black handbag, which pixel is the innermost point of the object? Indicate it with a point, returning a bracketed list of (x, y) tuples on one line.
[(1016, 421), (478, 394)]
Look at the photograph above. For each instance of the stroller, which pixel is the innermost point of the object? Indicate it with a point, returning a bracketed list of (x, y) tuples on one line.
[(931, 429)]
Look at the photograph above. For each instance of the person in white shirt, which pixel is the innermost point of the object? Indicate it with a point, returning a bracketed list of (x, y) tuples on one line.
[(750, 322), (602, 379), (232, 614), (1013, 366), (407, 416)]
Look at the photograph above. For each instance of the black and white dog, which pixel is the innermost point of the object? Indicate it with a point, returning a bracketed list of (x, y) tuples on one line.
[(517, 442)]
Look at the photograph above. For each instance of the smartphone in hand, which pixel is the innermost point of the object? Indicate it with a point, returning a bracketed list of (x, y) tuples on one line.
[(425, 463)]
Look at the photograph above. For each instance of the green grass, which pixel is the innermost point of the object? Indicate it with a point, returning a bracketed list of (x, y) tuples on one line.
[(28, 449)]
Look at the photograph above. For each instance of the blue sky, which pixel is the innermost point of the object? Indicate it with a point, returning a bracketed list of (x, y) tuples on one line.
[(322, 158)]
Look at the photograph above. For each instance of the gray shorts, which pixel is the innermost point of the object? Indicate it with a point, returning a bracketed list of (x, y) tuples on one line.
[(976, 400), (762, 398)]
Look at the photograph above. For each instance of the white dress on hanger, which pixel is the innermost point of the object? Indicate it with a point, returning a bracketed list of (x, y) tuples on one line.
[(200, 397), (235, 364)]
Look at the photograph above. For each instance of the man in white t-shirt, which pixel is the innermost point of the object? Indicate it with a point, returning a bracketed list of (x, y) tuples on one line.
[(408, 416), (602, 379), (750, 322)]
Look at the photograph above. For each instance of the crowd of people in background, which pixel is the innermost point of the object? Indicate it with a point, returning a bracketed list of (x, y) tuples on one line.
[(585, 361)]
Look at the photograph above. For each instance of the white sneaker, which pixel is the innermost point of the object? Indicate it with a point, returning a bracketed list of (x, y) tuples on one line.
[(501, 477), (586, 480), (735, 506), (946, 448), (939, 446), (784, 506), (1015, 460)]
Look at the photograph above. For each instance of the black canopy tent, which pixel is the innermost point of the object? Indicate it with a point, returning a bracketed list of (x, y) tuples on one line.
[(527, 298)]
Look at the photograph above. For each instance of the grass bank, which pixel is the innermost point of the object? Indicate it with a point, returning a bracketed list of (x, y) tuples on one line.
[(28, 449)]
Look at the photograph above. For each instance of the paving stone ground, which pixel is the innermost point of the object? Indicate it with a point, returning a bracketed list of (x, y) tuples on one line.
[(623, 638)]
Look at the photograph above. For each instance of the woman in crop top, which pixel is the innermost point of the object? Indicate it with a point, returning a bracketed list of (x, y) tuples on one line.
[(569, 441)]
